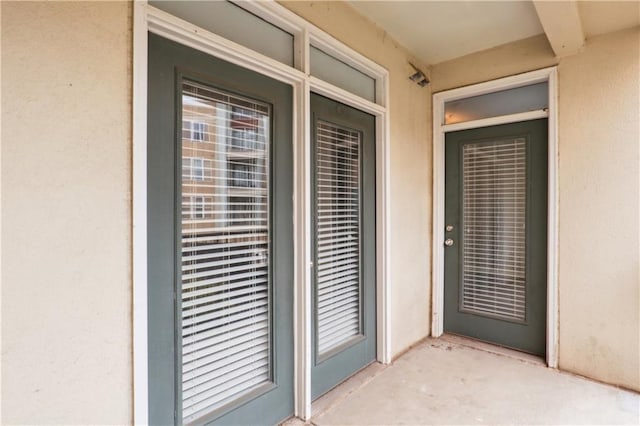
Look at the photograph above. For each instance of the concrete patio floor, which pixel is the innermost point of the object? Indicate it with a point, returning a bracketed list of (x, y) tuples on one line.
[(447, 381)]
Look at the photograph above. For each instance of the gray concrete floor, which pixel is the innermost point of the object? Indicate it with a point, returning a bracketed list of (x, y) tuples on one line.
[(448, 382)]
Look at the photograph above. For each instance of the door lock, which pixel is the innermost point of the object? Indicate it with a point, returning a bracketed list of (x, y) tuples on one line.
[(448, 242)]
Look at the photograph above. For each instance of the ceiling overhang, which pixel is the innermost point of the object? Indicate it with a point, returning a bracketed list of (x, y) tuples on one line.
[(438, 31), (562, 25)]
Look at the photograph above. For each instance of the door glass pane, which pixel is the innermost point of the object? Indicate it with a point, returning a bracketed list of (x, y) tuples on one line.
[(338, 276), (225, 302), (233, 23), (533, 97), (336, 72), (494, 217)]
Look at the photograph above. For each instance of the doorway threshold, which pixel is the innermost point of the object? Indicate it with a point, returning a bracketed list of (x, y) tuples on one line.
[(339, 393), (492, 348), (346, 388)]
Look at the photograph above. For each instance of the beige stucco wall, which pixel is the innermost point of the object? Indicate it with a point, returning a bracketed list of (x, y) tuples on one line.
[(66, 178), (509, 59), (599, 136), (599, 192), (410, 159)]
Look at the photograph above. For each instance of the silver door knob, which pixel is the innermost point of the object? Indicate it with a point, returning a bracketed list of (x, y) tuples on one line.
[(448, 242)]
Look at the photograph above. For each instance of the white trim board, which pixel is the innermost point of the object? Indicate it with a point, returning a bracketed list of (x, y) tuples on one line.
[(494, 121), (149, 19), (139, 219), (439, 129)]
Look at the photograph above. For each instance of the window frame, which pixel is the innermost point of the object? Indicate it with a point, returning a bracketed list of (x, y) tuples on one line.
[(194, 131), (197, 204), (196, 169)]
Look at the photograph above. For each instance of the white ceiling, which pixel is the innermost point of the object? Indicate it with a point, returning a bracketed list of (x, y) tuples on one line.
[(436, 31)]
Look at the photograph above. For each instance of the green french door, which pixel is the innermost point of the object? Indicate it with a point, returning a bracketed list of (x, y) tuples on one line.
[(344, 242), (496, 234), (220, 241)]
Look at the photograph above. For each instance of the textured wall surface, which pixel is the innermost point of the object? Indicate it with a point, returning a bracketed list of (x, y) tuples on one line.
[(66, 275), (410, 115), (599, 134), (599, 190), (509, 59)]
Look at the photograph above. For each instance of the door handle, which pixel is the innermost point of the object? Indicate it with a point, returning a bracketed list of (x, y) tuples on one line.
[(448, 242)]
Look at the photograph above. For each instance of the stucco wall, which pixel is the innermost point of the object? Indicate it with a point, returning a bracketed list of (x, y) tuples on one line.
[(599, 191), (66, 274), (410, 194), (599, 135), (509, 59)]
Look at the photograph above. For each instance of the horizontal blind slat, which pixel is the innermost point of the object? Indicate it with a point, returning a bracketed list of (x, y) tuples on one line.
[(209, 355), (196, 297), (193, 331), (211, 381), (194, 342), (201, 283), (331, 256), (349, 261), (251, 332), (231, 298), (247, 303)]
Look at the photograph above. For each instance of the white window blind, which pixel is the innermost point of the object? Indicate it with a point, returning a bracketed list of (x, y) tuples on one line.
[(337, 235), (494, 214), (225, 326)]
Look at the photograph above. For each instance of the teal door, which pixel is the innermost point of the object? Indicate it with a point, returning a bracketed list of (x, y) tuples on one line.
[(220, 241), (344, 242), (496, 234)]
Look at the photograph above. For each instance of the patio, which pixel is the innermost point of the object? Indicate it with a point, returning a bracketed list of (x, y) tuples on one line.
[(456, 381)]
